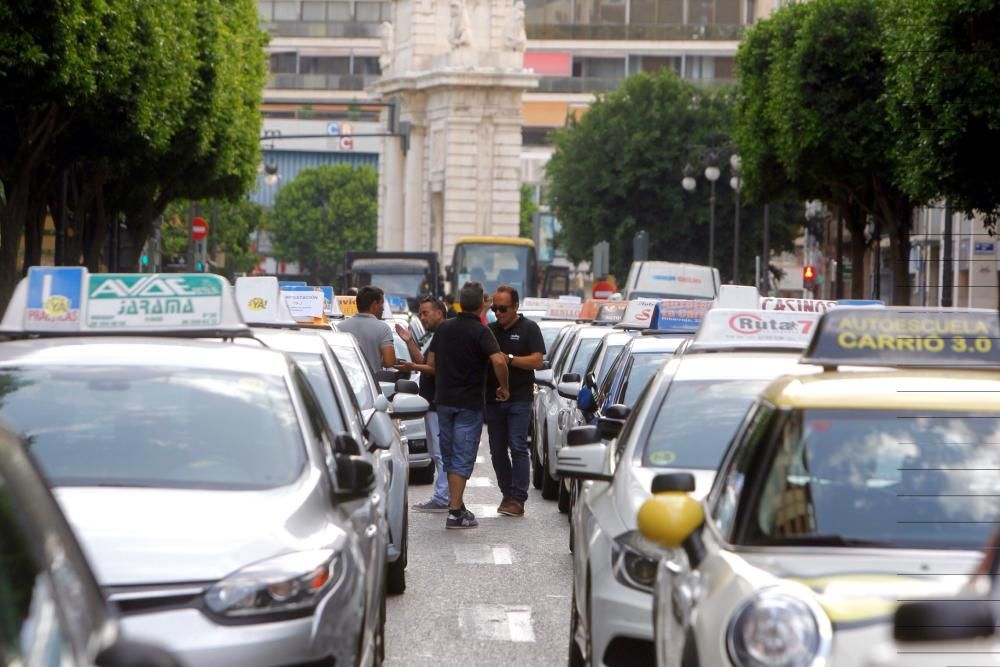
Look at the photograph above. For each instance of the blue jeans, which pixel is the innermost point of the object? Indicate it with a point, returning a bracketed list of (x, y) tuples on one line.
[(434, 447), (459, 439), (508, 427)]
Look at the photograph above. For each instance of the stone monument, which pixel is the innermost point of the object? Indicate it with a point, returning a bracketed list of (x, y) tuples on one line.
[(456, 68)]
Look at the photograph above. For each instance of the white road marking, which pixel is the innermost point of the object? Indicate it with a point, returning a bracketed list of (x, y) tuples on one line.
[(483, 511), (479, 481), (495, 622), (483, 554)]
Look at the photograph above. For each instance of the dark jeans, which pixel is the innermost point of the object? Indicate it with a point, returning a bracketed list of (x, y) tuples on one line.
[(508, 429)]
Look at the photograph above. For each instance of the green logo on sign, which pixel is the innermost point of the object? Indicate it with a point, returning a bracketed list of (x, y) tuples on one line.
[(125, 286)]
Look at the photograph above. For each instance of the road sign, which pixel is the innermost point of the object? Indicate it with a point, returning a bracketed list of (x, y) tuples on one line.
[(199, 229), (603, 290)]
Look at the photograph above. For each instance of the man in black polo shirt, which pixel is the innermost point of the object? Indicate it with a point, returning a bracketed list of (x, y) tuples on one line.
[(523, 347), (461, 350)]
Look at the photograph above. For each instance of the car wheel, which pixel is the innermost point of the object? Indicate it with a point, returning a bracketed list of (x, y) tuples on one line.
[(576, 656), (564, 497), (550, 485), (395, 581), (422, 475)]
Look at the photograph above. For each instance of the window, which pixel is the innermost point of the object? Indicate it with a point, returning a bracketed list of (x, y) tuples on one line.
[(156, 427), (314, 11), (284, 63), (907, 480), (584, 353), (657, 12), (31, 628), (357, 375), (339, 10), (315, 370), (286, 10), (366, 66), (324, 65), (370, 12), (644, 367), (683, 437)]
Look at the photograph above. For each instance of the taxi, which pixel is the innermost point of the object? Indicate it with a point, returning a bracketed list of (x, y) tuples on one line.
[(213, 498), (53, 607), (682, 421), (844, 492)]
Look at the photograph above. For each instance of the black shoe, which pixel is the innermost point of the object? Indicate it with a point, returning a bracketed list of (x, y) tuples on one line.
[(464, 520)]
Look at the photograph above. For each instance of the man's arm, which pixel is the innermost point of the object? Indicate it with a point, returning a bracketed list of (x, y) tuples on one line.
[(499, 361), (530, 362), (411, 345), (388, 353), (536, 343)]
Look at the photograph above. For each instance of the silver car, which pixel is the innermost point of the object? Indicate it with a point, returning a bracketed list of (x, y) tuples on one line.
[(212, 497), (374, 408)]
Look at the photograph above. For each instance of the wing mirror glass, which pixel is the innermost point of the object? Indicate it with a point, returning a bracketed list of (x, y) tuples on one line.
[(344, 443), (582, 435), (407, 387), (355, 476)]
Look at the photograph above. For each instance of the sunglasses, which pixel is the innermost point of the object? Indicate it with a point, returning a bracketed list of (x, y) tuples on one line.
[(500, 309)]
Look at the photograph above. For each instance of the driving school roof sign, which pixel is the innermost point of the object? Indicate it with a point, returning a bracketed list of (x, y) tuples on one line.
[(734, 328), (906, 337)]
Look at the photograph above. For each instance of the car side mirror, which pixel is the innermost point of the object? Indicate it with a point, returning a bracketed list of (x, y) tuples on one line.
[(570, 377), (569, 389), (943, 620), (125, 653), (407, 387), (388, 389), (544, 378), (344, 443), (409, 406), (381, 430), (546, 365), (586, 462), (618, 411), (582, 435), (609, 428), (381, 403), (673, 481), (355, 477)]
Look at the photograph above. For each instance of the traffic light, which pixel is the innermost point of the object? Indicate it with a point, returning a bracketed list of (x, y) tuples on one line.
[(808, 277)]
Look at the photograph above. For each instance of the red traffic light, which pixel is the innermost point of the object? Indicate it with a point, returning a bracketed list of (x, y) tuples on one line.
[(808, 272)]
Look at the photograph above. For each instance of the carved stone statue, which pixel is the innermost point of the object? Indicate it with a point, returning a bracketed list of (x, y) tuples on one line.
[(514, 37), (387, 46), (460, 34)]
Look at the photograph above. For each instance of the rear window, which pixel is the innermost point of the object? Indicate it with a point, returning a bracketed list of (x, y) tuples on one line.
[(696, 422), (156, 427)]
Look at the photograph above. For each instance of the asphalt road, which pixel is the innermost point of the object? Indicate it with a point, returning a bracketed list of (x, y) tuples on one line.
[(498, 594)]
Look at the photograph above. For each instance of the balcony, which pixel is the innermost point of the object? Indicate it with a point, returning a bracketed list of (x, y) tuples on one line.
[(354, 82), (636, 31), (585, 84), (355, 29)]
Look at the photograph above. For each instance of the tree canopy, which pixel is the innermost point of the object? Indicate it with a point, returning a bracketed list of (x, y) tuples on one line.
[(126, 106), (943, 80), (321, 214), (618, 169)]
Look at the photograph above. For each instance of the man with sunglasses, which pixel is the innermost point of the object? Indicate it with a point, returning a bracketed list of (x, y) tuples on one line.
[(521, 342)]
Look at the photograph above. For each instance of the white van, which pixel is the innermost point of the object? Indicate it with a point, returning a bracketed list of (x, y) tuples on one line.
[(670, 280)]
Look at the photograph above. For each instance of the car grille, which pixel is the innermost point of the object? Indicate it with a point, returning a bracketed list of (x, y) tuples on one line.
[(146, 599)]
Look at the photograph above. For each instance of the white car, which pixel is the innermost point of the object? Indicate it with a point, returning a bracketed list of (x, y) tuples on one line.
[(552, 408), (682, 421), (845, 492)]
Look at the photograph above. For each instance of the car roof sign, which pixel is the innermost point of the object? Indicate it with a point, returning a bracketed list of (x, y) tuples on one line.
[(554, 309), (638, 314), (611, 312), (738, 296), (680, 315), (70, 300), (397, 303), (754, 329), (261, 302), (940, 338), (330, 304), (306, 304)]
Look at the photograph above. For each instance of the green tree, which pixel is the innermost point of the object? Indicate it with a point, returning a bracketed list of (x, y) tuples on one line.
[(322, 213), (619, 169), (528, 210), (812, 119), (943, 76)]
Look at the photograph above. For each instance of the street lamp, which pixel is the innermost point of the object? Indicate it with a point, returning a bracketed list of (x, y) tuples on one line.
[(734, 163), (271, 173), (689, 183)]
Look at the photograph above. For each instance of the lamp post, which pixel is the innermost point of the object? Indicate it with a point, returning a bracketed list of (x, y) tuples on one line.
[(689, 183), (735, 183)]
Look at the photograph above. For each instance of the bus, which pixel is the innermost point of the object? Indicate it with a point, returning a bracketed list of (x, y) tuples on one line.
[(494, 261)]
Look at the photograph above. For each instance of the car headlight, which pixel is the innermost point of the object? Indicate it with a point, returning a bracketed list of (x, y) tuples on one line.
[(634, 560), (779, 627), (290, 584)]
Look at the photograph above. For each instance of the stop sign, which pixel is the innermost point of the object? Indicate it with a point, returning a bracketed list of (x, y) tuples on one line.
[(603, 290), (199, 228)]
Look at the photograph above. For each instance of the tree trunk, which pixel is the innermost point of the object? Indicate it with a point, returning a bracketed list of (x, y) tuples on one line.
[(895, 211), (856, 226)]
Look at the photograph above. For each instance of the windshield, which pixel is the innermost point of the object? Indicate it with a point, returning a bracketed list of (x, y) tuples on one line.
[(670, 295), (158, 427), (584, 354), (403, 284), (319, 382), (644, 367), (493, 264), (682, 436), (357, 376), (919, 480)]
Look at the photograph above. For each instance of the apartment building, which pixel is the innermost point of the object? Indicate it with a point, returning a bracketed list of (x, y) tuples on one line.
[(324, 58)]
